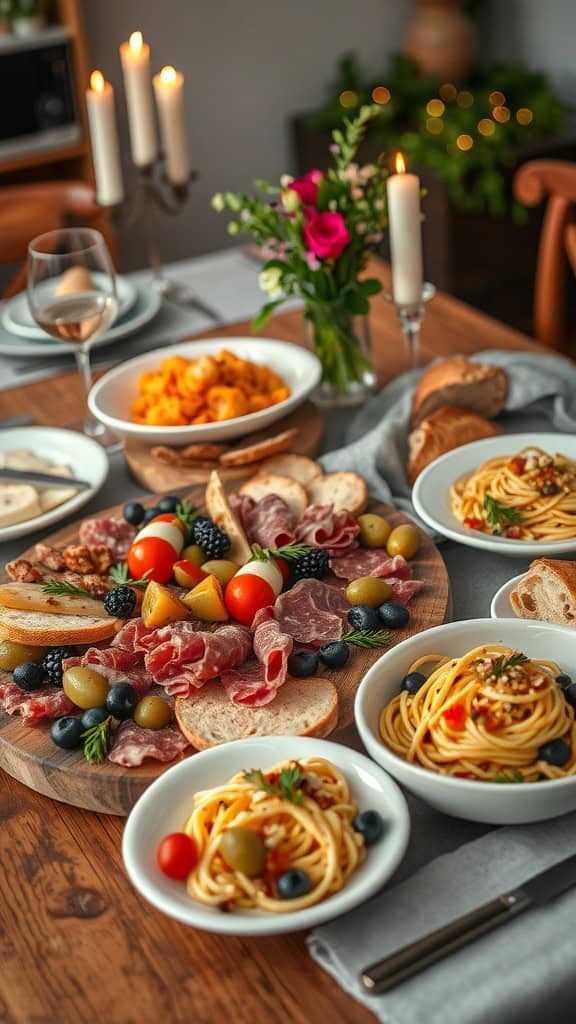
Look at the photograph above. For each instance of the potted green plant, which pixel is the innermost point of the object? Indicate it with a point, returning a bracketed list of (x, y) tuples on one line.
[(28, 17)]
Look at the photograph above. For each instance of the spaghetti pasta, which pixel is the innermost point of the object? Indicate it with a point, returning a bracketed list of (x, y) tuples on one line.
[(492, 715), (528, 496), (313, 834)]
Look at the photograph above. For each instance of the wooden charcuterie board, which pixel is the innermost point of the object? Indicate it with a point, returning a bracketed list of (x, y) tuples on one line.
[(28, 754)]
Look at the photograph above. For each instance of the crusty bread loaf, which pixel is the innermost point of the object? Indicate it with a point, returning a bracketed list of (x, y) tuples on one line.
[(302, 707), (44, 630), (445, 429), (457, 381), (547, 592)]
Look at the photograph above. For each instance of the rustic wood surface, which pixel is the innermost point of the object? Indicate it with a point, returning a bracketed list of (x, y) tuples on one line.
[(78, 943)]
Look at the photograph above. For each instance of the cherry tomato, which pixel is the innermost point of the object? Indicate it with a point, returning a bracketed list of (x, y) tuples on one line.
[(284, 567), (518, 465), (245, 595), (455, 716), (154, 554), (473, 523), (172, 518), (187, 574), (177, 855)]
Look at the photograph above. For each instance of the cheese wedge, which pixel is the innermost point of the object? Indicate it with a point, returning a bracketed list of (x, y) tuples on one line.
[(18, 502), (30, 597)]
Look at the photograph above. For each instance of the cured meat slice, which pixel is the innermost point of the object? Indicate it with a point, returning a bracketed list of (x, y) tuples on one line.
[(268, 521), (257, 682), (46, 702), (117, 534), (186, 658), (246, 685), (312, 612), (370, 562), (133, 745), (132, 635), (117, 665), (272, 647), (405, 590), (323, 527)]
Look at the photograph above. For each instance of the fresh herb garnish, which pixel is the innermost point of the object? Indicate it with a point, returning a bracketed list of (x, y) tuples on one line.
[(291, 552), (186, 512), (368, 638), (97, 741), (62, 587), (497, 514), (513, 776), (501, 665), (287, 785), (120, 575)]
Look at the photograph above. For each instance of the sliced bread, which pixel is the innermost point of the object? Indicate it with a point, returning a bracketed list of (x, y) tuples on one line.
[(302, 707), (547, 592), (476, 387), (293, 493), (344, 490), (43, 629), (445, 429), (297, 467), (255, 450), (30, 597)]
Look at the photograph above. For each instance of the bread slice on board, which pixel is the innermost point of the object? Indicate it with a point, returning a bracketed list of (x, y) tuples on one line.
[(44, 630), (445, 429), (30, 597), (547, 592), (302, 707), (293, 493), (297, 467), (219, 510), (457, 381), (254, 451), (345, 490)]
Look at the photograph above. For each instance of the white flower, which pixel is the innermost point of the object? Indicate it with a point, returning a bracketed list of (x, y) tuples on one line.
[(356, 193), (286, 180), (269, 281), (368, 171), (217, 202), (361, 227), (244, 216), (333, 204), (351, 174), (290, 200), (379, 204)]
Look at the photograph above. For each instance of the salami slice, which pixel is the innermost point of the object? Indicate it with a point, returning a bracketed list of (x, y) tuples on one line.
[(312, 612), (272, 647), (268, 522), (246, 685), (322, 527), (46, 702), (117, 534), (187, 658), (117, 665), (132, 635), (405, 590), (133, 745), (370, 562)]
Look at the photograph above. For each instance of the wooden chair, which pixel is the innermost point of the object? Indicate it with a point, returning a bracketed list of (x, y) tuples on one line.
[(533, 182), (30, 210)]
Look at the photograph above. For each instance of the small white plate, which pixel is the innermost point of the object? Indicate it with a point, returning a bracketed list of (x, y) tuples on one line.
[(501, 607), (17, 318), (86, 458), (430, 495), (168, 803)]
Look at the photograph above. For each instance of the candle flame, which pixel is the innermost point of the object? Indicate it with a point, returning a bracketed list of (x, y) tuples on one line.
[(400, 164), (168, 74), (136, 41), (97, 81)]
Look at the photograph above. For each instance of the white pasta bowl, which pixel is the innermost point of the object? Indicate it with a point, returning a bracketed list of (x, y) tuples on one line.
[(167, 804), (111, 397), (431, 492), (492, 802)]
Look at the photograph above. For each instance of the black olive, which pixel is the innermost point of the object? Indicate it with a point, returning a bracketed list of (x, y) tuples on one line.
[(361, 616), (67, 732), (370, 825), (564, 681), (568, 687), (133, 513), (94, 716), (334, 654), (121, 700), (293, 883), (412, 682), (549, 488), (28, 675), (556, 752), (169, 503), (394, 615), (303, 663), (149, 514)]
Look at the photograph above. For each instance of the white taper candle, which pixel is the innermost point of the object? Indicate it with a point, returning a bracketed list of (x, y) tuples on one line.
[(169, 91), (405, 228), (135, 57), (104, 140)]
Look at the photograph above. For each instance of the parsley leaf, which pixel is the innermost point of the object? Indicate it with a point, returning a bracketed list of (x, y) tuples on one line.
[(513, 776), (287, 787), (497, 514), (501, 665)]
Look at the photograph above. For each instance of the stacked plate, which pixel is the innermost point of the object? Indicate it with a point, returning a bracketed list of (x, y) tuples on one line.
[(21, 335)]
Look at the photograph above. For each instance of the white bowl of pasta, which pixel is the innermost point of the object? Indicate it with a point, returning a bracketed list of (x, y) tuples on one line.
[(473, 733), (497, 496), (342, 871)]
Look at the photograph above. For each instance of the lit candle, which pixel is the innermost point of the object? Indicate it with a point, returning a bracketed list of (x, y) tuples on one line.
[(135, 57), (104, 139), (169, 90), (405, 228)]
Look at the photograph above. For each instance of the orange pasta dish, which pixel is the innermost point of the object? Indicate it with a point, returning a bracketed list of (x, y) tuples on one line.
[(185, 392)]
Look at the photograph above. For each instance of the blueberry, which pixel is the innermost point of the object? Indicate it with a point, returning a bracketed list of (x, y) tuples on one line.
[(169, 503), (121, 700), (303, 663), (412, 682), (334, 654), (370, 825), (556, 752), (394, 615), (67, 732), (28, 675), (361, 616), (149, 514), (564, 681), (94, 716), (293, 883), (133, 513)]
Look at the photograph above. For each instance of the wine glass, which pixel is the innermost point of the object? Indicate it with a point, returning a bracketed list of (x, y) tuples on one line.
[(72, 295)]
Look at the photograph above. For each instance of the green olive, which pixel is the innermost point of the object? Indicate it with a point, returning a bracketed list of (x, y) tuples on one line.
[(370, 590), (243, 850), (12, 655), (85, 687), (152, 713), (193, 553), (404, 540), (374, 530), (222, 569)]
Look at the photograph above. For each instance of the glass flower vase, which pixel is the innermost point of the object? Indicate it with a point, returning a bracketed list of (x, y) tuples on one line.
[(342, 342)]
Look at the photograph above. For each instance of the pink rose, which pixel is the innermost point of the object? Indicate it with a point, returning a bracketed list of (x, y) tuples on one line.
[(326, 235), (307, 187)]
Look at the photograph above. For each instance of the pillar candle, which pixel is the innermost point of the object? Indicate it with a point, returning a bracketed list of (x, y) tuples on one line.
[(405, 228), (169, 90), (135, 57), (104, 140)]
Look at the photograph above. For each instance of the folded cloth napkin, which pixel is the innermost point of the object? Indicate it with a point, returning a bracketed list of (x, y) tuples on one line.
[(523, 972), (541, 396)]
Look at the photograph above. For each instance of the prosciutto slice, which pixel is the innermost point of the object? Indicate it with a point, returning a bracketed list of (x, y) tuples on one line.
[(322, 527), (182, 658), (132, 745), (46, 702), (132, 634), (117, 665), (370, 562), (404, 590), (257, 682), (268, 522), (311, 612)]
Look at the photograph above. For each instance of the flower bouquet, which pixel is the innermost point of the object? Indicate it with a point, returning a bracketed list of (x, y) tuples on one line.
[(319, 231)]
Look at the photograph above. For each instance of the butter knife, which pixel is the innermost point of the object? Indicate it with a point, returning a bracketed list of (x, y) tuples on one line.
[(387, 973), (30, 476)]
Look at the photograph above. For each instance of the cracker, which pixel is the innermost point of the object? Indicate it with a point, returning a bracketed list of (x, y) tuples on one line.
[(255, 451)]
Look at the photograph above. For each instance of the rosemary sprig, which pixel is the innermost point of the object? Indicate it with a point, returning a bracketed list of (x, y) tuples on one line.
[(186, 512), (368, 638), (501, 665), (287, 787), (97, 741), (290, 552), (513, 776), (121, 577), (497, 514), (63, 587)]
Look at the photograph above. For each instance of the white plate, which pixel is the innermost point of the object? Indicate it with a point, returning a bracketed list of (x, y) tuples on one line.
[(17, 318), (148, 301), (168, 802), (86, 458), (430, 495), (110, 399), (500, 607)]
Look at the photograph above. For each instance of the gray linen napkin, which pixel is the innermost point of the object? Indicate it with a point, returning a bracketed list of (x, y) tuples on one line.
[(523, 971), (542, 396)]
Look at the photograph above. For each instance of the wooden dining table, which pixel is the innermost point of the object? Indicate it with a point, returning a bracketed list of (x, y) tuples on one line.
[(78, 943)]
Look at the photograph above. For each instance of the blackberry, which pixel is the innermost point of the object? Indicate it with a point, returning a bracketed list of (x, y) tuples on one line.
[(52, 663), (213, 541), (314, 565), (120, 602)]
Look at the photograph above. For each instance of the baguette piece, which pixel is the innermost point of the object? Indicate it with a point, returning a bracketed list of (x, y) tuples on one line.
[(30, 597), (445, 429), (45, 630), (476, 387), (343, 490), (293, 493), (219, 510), (302, 707), (547, 592)]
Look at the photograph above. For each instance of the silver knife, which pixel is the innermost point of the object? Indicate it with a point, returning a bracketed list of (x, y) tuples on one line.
[(387, 973), (30, 476)]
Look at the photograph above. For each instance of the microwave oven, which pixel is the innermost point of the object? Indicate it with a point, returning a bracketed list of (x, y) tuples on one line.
[(37, 101)]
